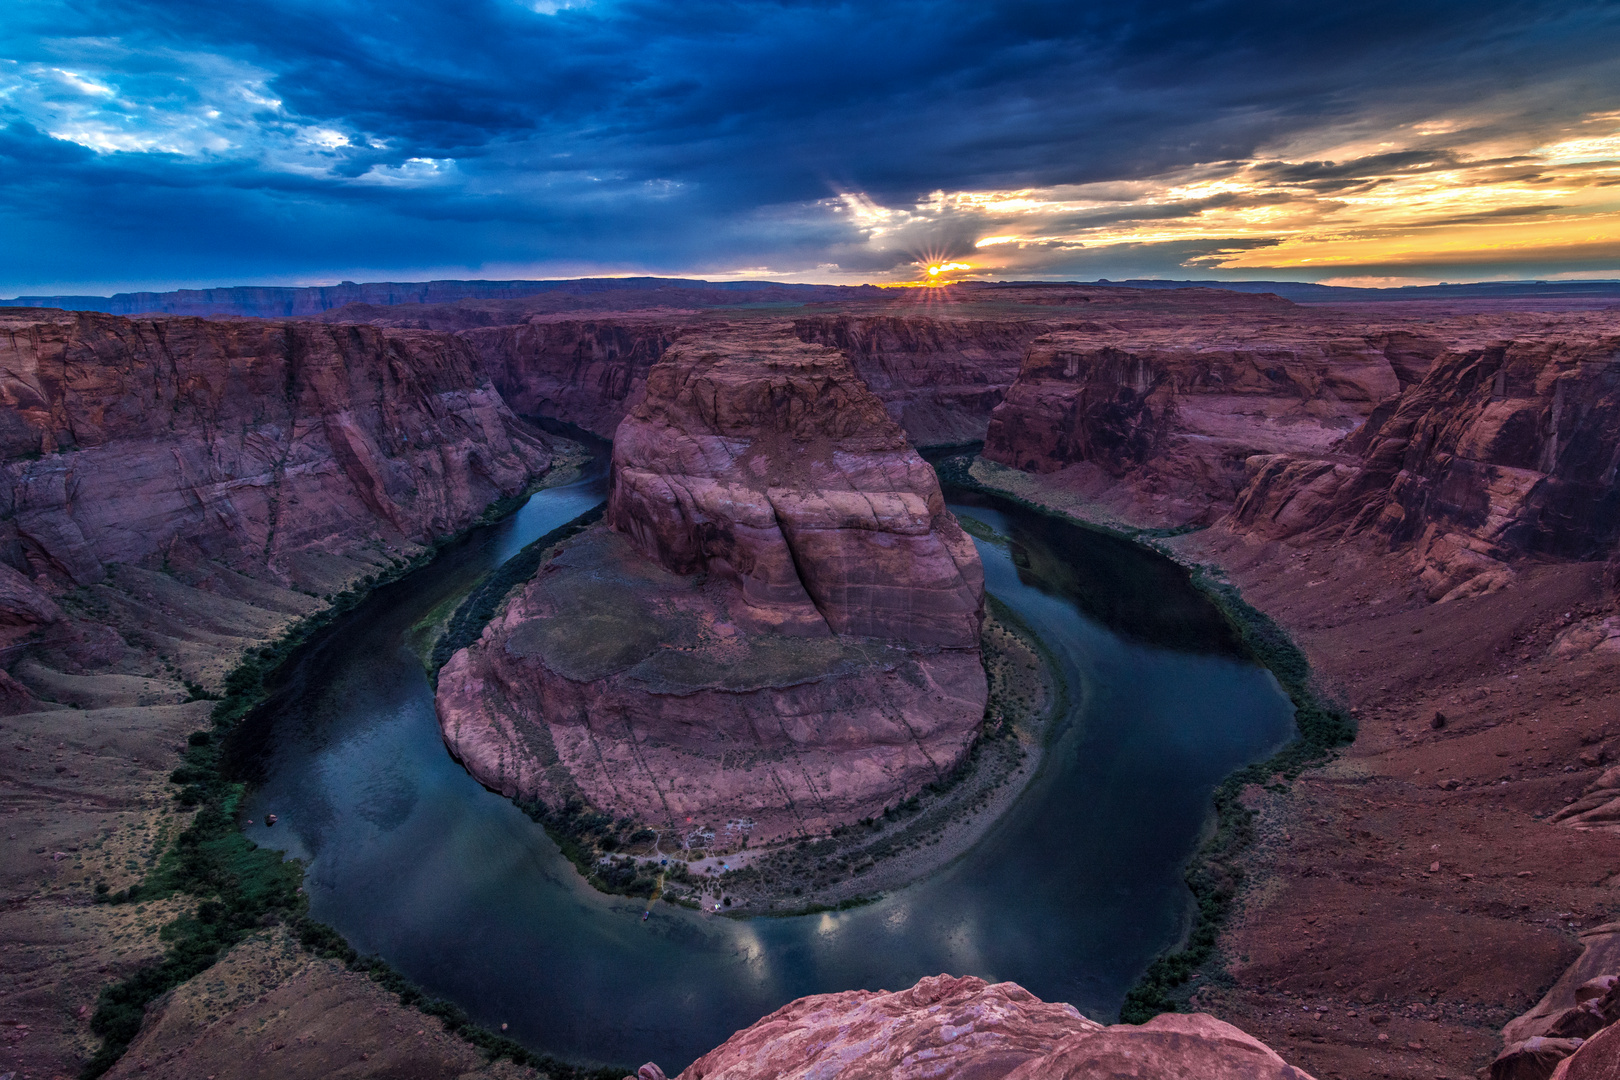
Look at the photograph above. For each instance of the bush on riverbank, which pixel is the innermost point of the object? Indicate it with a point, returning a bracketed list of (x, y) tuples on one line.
[(242, 888)]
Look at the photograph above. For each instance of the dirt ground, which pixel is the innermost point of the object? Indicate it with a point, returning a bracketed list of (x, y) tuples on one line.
[(1408, 900)]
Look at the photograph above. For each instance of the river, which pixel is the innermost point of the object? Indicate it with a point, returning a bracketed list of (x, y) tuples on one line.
[(1071, 894)]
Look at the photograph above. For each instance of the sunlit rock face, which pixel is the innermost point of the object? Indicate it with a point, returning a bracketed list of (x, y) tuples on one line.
[(777, 624), (964, 1028)]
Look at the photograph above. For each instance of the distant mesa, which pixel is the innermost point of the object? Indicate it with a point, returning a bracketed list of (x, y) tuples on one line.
[(314, 301), (778, 621)]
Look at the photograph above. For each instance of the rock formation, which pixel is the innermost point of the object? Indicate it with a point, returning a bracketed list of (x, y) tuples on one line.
[(938, 377), (268, 446), (1161, 420), (1500, 451), (586, 372), (777, 627), (961, 1028)]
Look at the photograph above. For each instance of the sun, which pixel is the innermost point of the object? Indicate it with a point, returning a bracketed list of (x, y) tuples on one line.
[(939, 272)]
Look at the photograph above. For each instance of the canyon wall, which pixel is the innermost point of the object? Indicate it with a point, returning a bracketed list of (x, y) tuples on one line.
[(1502, 451), (1470, 441), (1159, 421), (585, 372), (938, 377), (776, 629), (270, 447)]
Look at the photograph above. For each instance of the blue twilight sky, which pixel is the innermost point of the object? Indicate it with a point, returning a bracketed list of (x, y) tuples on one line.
[(169, 142)]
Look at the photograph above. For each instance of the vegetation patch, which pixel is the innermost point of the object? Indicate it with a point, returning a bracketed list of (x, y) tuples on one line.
[(604, 850), (242, 887), (481, 604)]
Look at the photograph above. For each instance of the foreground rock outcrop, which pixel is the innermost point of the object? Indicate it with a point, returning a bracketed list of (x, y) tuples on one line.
[(777, 629), (948, 1028)]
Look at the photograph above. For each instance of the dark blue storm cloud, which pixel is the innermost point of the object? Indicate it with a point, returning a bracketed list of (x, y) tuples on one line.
[(180, 142)]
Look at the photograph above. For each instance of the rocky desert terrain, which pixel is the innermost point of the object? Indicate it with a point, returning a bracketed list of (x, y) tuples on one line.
[(1423, 496)]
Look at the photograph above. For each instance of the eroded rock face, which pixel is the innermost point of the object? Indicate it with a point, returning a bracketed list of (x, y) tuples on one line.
[(1498, 452), (771, 464), (939, 378), (588, 372), (777, 628), (1167, 426), (263, 445), (959, 1028)]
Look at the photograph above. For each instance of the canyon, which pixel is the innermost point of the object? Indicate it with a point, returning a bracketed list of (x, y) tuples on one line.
[(1421, 496)]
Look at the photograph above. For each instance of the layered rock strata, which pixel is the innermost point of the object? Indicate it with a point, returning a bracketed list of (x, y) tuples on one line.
[(1161, 425), (961, 1028), (776, 628), (940, 378), (267, 446), (587, 372), (177, 493), (1500, 451)]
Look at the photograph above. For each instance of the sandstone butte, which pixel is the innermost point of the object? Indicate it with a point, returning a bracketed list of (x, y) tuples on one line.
[(967, 1029), (776, 628)]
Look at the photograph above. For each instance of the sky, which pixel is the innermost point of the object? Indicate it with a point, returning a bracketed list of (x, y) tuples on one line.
[(172, 144)]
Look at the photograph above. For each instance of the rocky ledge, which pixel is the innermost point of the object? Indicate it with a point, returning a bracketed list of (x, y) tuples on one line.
[(957, 1028), (775, 632)]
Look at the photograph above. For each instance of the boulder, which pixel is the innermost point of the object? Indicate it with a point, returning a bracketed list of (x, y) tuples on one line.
[(1598, 1058), (1535, 1058)]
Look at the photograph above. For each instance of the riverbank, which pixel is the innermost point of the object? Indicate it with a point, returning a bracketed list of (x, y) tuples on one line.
[(171, 659), (921, 835), (1214, 873), (909, 841), (1398, 904)]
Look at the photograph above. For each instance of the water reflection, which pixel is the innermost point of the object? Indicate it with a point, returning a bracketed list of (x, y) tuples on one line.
[(1071, 893)]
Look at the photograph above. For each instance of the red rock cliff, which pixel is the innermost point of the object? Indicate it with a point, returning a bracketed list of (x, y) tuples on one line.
[(1502, 450), (264, 445), (586, 372), (1161, 419), (939, 377)]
